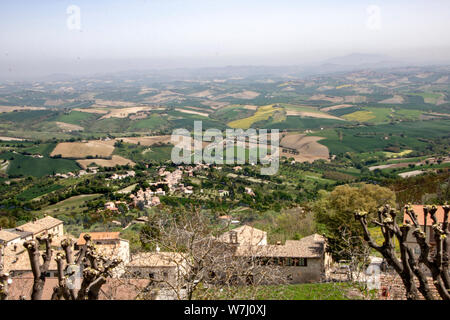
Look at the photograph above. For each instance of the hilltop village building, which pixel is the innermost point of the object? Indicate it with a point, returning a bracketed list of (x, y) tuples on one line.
[(304, 260), (16, 259), (300, 261), (425, 225), (150, 196), (165, 268), (30, 230)]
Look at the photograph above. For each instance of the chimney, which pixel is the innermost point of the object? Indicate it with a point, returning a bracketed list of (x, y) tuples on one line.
[(233, 237)]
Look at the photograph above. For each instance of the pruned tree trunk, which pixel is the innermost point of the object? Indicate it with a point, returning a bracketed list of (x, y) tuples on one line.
[(4, 278), (39, 271), (410, 267), (96, 269)]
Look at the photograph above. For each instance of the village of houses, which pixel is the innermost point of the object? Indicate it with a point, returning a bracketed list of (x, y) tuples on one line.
[(301, 261), (306, 259), (149, 198)]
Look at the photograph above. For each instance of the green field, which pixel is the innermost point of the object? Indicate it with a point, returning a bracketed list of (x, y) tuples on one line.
[(231, 113), (72, 204), (76, 117), (21, 165), (405, 135), (263, 113), (43, 149), (299, 123), (153, 122), (343, 111), (361, 116), (382, 115), (30, 115), (37, 191), (428, 97), (306, 291), (138, 153)]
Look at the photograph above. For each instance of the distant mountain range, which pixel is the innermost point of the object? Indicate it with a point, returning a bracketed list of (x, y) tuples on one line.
[(351, 62), (356, 61)]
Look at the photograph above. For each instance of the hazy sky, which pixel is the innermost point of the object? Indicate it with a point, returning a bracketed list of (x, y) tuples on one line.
[(42, 37)]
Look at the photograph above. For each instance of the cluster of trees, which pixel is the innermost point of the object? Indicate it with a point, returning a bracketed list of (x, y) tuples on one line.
[(335, 215)]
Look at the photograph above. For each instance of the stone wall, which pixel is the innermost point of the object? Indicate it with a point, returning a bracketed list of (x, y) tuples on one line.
[(392, 288)]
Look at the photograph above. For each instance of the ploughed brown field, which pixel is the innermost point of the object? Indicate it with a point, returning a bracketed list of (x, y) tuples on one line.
[(78, 150), (69, 127), (124, 112), (308, 147), (147, 140), (204, 114), (18, 108), (394, 99), (311, 114)]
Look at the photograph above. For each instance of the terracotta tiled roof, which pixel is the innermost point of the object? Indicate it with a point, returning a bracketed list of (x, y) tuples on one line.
[(108, 250), (6, 236), (113, 289), (37, 226), (246, 235), (23, 284), (309, 247), (56, 242), (156, 259), (98, 236), (18, 260), (418, 209)]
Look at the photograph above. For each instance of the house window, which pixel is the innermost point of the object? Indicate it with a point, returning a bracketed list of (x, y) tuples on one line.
[(136, 274), (151, 275), (165, 275), (417, 251), (299, 262)]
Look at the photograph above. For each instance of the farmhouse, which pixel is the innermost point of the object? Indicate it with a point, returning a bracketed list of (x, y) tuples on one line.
[(223, 193), (44, 226), (146, 198), (110, 205), (300, 261), (116, 176), (111, 245), (16, 262), (8, 238), (425, 224), (249, 191), (164, 268), (245, 236)]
